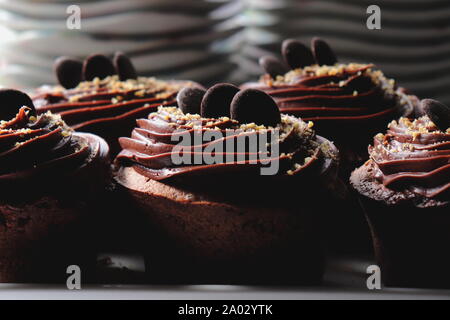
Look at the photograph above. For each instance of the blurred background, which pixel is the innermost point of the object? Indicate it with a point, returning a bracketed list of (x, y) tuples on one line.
[(221, 40)]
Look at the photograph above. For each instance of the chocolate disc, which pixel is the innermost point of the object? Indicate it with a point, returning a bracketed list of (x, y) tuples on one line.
[(256, 106), (124, 67), (68, 72), (323, 53), (11, 102), (273, 66), (189, 100), (217, 100), (438, 113), (296, 54), (97, 66)]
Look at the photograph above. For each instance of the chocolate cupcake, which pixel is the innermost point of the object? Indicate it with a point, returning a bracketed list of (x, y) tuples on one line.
[(405, 191), (348, 103), (240, 217), (104, 96), (48, 176)]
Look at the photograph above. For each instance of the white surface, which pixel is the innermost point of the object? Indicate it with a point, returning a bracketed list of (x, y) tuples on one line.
[(344, 279), (208, 292)]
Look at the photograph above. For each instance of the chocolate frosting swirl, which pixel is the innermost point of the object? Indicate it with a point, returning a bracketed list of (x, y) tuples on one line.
[(339, 99), (413, 156), (95, 104), (149, 149), (38, 151)]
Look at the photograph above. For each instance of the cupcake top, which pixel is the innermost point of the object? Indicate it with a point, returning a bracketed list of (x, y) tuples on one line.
[(227, 145), (40, 149), (412, 159), (103, 96), (337, 97), (110, 100)]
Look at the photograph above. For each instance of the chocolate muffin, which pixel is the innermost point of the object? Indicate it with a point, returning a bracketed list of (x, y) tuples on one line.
[(229, 220), (405, 191), (49, 175), (348, 103), (104, 96)]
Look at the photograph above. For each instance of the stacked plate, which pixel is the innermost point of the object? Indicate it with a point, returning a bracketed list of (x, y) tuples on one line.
[(184, 39), (413, 45)]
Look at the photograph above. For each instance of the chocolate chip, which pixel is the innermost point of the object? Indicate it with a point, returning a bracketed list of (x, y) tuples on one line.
[(323, 53), (68, 71), (124, 67), (296, 54), (256, 106), (11, 101), (217, 99), (438, 113), (189, 100), (273, 66), (97, 66)]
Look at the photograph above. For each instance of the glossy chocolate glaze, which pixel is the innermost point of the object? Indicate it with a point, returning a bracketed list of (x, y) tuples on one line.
[(413, 156), (109, 107), (41, 150), (150, 146), (108, 101), (339, 99)]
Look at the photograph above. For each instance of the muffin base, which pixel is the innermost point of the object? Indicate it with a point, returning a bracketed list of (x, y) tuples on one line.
[(40, 239), (193, 239), (347, 231), (47, 222), (411, 243)]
